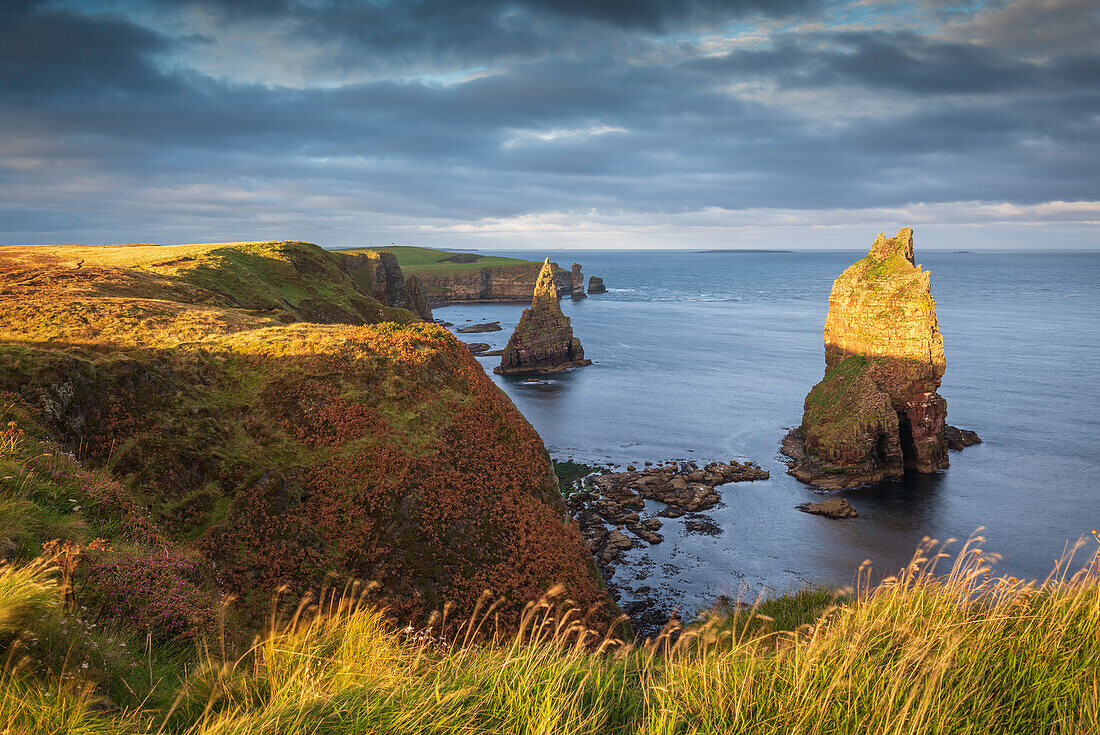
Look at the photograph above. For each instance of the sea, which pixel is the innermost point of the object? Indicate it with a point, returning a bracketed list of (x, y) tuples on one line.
[(709, 356)]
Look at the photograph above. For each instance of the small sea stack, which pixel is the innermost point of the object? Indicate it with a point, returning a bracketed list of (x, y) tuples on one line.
[(876, 413), (595, 285), (543, 341), (578, 282)]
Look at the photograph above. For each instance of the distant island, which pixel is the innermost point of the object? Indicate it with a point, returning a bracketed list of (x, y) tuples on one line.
[(744, 250)]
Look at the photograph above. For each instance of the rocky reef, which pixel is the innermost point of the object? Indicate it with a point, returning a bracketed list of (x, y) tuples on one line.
[(876, 413), (595, 285), (258, 404), (543, 341), (577, 288)]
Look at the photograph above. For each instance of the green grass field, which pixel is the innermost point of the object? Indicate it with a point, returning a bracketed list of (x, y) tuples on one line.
[(420, 261)]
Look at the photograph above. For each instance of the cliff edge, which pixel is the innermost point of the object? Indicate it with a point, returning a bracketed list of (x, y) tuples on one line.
[(876, 413)]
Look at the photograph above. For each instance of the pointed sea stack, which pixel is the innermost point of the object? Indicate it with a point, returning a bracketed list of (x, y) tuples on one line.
[(876, 413), (543, 341)]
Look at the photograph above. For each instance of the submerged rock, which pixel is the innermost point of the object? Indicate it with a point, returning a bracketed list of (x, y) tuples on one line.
[(578, 282), (876, 413), (543, 341), (595, 285)]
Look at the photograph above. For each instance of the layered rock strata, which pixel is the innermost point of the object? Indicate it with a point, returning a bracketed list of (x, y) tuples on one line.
[(577, 290), (595, 285), (876, 413), (543, 341)]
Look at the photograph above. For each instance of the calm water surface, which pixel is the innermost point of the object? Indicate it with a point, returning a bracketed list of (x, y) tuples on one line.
[(709, 356)]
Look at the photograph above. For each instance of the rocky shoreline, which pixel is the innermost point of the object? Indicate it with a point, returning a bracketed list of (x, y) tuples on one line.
[(611, 510)]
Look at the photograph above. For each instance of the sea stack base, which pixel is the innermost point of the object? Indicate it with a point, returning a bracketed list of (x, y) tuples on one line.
[(548, 370)]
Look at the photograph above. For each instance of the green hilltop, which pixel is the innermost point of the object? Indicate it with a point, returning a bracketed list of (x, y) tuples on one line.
[(430, 261)]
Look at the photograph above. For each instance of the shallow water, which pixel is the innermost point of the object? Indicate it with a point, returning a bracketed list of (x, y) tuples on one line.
[(710, 355)]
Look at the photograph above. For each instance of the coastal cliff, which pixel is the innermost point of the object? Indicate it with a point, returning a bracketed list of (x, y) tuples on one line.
[(876, 413), (280, 426), (543, 341), (376, 272), (447, 277), (490, 284)]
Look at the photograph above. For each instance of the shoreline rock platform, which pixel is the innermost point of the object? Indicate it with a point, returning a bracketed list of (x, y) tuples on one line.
[(543, 341), (876, 413), (612, 504)]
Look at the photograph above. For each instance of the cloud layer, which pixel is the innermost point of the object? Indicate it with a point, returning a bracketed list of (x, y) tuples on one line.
[(543, 122)]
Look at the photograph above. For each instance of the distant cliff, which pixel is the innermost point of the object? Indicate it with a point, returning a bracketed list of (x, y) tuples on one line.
[(448, 277), (491, 283), (876, 413)]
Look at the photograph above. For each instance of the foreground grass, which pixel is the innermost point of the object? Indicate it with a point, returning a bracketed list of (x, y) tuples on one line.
[(922, 652)]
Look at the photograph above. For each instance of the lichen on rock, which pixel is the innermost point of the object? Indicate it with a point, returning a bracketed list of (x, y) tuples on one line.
[(543, 341), (876, 412)]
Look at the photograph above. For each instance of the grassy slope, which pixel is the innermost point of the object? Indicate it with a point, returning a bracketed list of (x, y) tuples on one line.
[(421, 261), (280, 449)]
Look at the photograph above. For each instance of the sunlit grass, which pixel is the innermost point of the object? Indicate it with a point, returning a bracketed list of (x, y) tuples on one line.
[(926, 651)]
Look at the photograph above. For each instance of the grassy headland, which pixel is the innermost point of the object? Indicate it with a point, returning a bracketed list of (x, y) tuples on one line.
[(429, 261), (270, 424)]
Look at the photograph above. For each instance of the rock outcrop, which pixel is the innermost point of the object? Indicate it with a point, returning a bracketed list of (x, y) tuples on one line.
[(834, 507), (377, 274), (577, 290), (595, 285), (543, 341), (477, 328), (876, 413), (419, 302)]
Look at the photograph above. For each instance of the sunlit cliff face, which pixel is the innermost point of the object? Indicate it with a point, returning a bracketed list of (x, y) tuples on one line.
[(882, 307)]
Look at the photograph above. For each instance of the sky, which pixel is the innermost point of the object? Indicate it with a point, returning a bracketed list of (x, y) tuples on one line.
[(541, 124)]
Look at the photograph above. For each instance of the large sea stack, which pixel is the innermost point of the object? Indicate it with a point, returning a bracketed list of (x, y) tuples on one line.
[(876, 413), (543, 341)]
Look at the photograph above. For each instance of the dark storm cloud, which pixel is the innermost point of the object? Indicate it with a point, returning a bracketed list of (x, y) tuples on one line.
[(648, 15), (902, 61), (45, 52), (585, 116)]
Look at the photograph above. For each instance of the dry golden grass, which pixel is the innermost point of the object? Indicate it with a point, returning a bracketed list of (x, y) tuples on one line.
[(922, 652)]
